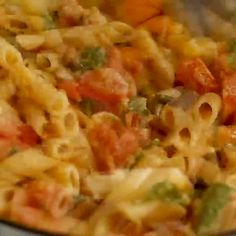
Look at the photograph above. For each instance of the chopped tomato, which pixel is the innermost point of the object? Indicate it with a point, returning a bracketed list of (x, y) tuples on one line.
[(229, 97), (45, 195), (38, 219), (110, 85), (9, 146), (221, 67), (195, 75), (112, 144), (226, 135), (49, 196), (158, 25), (28, 135), (70, 13), (135, 12), (71, 89), (106, 85), (132, 60), (9, 121), (24, 212), (115, 61), (8, 128), (227, 76)]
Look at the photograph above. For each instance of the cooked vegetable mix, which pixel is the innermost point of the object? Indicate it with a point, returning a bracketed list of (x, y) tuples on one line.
[(115, 120)]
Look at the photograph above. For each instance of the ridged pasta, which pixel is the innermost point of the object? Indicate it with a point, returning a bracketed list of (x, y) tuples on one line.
[(98, 35), (114, 129), (163, 69), (68, 176)]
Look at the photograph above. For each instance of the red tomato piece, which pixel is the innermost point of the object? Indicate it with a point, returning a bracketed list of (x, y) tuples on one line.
[(34, 215), (28, 135), (105, 85), (135, 12), (227, 76), (9, 123), (9, 146), (229, 97), (117, 61), (48, 196), (112, 144), (132, 60), (195, 75), (71, 89)]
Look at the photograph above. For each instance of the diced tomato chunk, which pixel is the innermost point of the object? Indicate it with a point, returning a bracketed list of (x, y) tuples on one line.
[(106, 85), (226, 135), (32, 204), (28, 135), (159, 25), (137, 11), (229, 97), (227, 77), (9, 146), (9, 121), (117, 61), (195, 75), (71, 89), (132, 60), (112, 144)]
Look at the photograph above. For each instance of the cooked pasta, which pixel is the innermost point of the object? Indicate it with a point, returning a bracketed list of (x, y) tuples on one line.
[(115, 120)]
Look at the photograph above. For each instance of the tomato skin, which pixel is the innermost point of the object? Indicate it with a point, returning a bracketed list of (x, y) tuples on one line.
[(159, 24), (132, 60), (9, 125), (9, 144), (135, 12), (227, 76), (28, 207), (28, 136), (195, 75), (111, 84), (112, 144), (117, 61), (105, 85), (71, 89)]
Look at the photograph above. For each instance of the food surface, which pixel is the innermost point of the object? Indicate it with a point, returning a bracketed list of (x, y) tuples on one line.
[(115, 120)]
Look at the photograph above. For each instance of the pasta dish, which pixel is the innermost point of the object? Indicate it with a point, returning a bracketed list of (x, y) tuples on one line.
[(114, 120)]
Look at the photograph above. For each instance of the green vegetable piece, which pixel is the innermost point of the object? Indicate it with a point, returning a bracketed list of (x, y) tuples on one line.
[(232, 60), (232, 53), (154, 142), (13, 151), (164, 99), (158, 99), (166, 191), (232, 45), (49, 22), (91, 58), (87, 106), (138, 105), (214, 200), (80, 198), (138, 158)]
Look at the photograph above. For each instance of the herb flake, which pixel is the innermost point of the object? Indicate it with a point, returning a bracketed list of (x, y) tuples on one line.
[(166, 191), (80, 198), (214, 200), (138, 105), (91, 58), (13, 151)]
